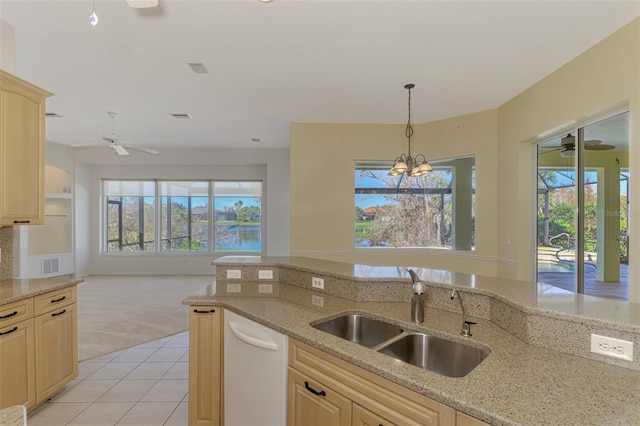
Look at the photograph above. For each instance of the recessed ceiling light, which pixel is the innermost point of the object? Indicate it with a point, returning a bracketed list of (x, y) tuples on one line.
[(53, 115), (180, 115), (266, 1), (198, 68), (255, 140)]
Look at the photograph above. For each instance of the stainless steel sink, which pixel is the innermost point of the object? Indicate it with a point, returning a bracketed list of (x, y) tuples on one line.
[(359, 329), (446, 357)]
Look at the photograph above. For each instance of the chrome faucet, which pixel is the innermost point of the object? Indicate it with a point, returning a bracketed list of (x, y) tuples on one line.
[(466, 325), (417, 302)]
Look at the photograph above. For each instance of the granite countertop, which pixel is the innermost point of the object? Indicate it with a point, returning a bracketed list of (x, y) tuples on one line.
[(13, 416), (17, 289), (517, 384), (524, 295)]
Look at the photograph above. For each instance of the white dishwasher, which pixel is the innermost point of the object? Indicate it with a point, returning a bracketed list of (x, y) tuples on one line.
[(255, 373)]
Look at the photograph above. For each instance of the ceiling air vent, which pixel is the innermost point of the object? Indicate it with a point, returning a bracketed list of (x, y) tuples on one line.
[(198, 68), (180, 115)]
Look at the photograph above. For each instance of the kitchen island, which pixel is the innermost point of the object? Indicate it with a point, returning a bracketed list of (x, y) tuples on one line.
[(519, 383)]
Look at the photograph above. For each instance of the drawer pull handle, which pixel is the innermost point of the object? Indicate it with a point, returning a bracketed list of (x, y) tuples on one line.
[(14, 313), (59, 313), (313, 391), (58, 300), (10, 331), (21, 221), (204, 312)]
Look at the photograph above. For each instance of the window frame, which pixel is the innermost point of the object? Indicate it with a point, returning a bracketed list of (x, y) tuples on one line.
[(449, 164), (158, 197)]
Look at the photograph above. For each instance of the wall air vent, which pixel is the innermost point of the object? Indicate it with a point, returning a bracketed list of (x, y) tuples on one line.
[(180, 115), (52, 115), (50, 266)]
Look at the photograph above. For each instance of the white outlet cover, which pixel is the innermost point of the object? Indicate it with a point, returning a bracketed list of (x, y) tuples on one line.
[(610, 346), (265, 274), (234, 273), (317, 283)]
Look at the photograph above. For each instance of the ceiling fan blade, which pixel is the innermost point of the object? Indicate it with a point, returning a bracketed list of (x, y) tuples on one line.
[(603, 147), (597, 145), (142, 4), (143, 149), (119, 149)]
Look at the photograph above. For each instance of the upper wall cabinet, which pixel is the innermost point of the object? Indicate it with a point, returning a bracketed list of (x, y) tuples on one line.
[(22, 112)]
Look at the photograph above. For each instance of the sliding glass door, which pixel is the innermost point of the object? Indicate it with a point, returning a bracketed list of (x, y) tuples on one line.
[(582, 187)]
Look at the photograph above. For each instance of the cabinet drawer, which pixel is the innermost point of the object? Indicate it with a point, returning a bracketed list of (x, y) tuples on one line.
[(388, 400), (48, 302), (15, 312)]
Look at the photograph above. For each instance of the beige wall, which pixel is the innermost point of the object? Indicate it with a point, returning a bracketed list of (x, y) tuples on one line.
[(322, 181), (604, 79)]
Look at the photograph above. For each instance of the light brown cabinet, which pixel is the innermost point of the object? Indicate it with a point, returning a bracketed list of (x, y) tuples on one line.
[(205, 366), (310, 407), (17, 356), (56, 345), (38, 347), (370, 399), (465, 420), (22, 132)]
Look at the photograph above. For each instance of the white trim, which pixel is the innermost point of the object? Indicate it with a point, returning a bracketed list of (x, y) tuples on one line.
[(506, 261)]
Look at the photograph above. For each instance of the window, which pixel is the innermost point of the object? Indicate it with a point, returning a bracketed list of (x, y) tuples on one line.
[(183, 216), (238, 216), (434, 210), (184, 219), (130, 215)]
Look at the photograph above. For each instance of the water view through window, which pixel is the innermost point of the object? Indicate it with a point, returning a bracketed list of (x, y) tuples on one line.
[(193, 216)]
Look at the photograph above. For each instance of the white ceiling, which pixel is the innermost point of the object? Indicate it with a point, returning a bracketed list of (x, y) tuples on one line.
[(288, 61)]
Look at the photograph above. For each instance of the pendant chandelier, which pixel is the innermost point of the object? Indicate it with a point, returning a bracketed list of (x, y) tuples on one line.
[(412, 166)]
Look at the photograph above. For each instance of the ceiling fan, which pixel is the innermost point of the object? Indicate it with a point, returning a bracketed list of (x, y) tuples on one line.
[(568, 146), (118, 144)]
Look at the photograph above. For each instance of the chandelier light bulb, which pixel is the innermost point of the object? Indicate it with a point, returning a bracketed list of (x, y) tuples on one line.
[(93, 18)]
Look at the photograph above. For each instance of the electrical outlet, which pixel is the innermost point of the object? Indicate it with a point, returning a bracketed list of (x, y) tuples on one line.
[(234, 273), (265, 288), (265, 274), (612, 347), (317, 300), (317, 283), (234, 288)]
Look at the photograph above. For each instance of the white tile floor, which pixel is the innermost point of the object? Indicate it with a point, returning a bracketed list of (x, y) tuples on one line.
[(143, 385)]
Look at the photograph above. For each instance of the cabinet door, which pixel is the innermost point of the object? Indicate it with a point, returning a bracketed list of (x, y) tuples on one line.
[(17, 365), (464, 420), (364, 417), (312, 404), (57, 351), (22, 111), (205, 366)]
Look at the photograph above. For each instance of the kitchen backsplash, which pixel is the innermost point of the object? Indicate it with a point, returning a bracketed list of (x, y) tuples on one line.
[(6, 244)]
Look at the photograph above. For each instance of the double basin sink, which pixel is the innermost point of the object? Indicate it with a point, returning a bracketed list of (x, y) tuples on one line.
[(442, 356)]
